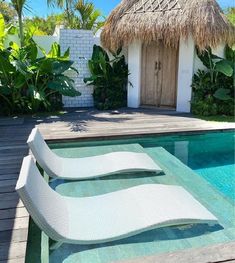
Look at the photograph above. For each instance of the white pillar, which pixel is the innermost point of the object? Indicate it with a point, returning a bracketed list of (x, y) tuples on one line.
[(185, 74), (134, 65)]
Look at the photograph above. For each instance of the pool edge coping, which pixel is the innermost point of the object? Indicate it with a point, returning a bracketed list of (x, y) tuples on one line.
[(136, 135)]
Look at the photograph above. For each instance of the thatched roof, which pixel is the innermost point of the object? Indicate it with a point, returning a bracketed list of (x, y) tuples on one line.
[(168, 20)]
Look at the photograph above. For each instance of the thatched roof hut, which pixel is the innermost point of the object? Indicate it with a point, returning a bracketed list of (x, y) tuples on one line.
[(168, 20)]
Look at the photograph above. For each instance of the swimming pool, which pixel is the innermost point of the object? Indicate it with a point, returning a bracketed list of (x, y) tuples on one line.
[(211, 181), (210, 155)]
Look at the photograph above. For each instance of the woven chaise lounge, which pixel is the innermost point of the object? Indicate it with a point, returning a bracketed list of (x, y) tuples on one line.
[(107, 217), (87, 167)]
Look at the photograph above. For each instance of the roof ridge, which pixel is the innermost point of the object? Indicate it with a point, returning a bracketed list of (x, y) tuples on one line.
[(143, 6)]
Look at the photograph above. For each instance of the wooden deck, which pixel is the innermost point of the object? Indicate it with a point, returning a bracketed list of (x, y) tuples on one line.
[(74, 125)]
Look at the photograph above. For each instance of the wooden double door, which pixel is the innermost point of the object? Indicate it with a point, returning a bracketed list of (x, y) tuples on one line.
[(159, 75)]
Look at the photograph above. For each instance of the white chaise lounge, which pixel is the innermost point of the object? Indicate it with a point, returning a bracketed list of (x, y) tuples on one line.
[(87, 167), (107, 217)]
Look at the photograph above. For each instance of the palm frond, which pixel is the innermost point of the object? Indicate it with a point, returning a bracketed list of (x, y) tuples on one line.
[(60, 3)]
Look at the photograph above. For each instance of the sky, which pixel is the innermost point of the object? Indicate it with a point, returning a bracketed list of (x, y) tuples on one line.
[(39, 7)]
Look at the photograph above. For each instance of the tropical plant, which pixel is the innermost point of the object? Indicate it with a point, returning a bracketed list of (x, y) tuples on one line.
[(7, 11), (230, 13), (67, 5), (33, 25), (88, 16), (19, 5), (109, 78), (5, 31), (44, 26), (29, 83), (213, 88), (79, 15)]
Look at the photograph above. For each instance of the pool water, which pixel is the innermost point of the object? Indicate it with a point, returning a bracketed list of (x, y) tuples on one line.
[(210, 155), (210, 180)]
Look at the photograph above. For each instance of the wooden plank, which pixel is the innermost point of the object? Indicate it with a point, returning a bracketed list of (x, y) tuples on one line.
[(6, 169), (16, 235), (168, 70), (11, 121), (14, 147), (143, 76), (9, 196), (14, 223), (149, 64), (8, 176), (6, 204), (10, 165), (13, 213), (13, 250), (81, 124), (16, 260), (159, 67), (8, 161), (7, 183), (7, 189)]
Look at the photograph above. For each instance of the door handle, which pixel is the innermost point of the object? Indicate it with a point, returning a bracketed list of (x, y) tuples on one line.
[(156, 66), (159, 66)]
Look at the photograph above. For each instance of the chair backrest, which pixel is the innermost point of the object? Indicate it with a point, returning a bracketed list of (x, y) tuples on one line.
[(49, 161), (48, 209)]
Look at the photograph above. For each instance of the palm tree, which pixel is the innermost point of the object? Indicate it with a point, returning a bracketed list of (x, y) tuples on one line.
[(231, 14), (19, 5), (68, 4), (88, 15)]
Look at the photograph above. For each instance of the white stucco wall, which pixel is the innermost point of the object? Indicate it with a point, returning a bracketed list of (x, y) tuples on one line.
[(43, 41), (185, 74), (81, 44), (134, 65)]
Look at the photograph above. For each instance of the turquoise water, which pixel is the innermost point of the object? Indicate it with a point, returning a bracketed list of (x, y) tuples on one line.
[(210, 179), (210, 155)]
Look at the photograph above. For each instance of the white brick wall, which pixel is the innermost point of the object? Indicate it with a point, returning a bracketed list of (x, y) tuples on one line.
[(81, 45)]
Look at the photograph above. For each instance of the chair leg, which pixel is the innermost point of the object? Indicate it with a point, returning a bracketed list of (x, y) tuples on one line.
[(56, 245)]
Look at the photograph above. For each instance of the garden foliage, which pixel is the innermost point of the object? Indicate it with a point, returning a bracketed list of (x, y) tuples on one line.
[(30, 83), (109, 78), (80, 14), (213, 88)]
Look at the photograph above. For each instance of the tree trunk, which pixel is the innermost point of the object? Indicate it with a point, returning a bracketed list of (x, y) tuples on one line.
[(68, 13), (21, 30)]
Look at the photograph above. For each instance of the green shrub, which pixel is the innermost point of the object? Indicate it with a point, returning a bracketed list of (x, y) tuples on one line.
[(213, 88), (206, 107), (109, 78), (226, 108), (29, 84)]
